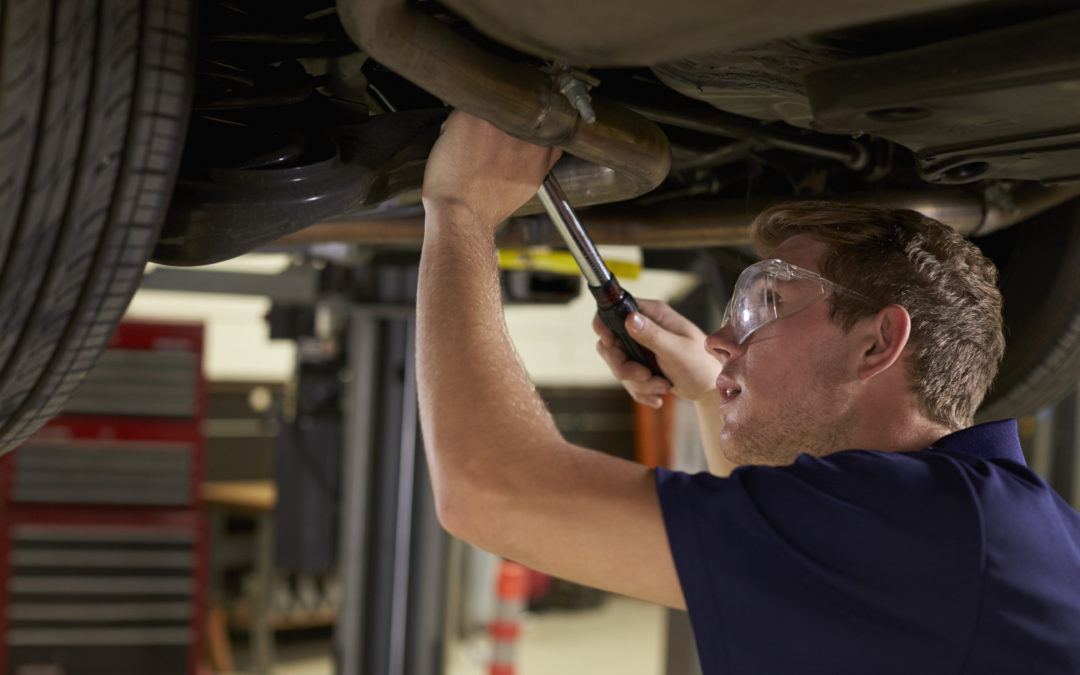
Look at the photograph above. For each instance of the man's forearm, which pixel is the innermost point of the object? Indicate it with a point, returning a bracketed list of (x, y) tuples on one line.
[(478, 408)]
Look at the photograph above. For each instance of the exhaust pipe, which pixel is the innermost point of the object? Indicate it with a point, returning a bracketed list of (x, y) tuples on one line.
[(632, 153), (708, 223)]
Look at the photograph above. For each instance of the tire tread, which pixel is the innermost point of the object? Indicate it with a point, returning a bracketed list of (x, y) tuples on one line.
[(94, 195)]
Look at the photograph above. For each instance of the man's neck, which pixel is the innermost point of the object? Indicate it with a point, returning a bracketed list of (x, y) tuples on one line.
[(905, 428)]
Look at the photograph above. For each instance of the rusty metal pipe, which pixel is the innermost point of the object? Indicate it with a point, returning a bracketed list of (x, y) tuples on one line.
[(708, 223), (704, 118), (520, 100)]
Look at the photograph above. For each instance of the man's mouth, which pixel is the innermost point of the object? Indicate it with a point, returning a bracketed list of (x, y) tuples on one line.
[(727, 388)]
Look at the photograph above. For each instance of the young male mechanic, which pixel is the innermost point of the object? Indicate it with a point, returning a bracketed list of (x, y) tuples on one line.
[(870, 528)]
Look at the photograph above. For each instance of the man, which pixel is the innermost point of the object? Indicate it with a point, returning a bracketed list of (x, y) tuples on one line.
[(867, 531)]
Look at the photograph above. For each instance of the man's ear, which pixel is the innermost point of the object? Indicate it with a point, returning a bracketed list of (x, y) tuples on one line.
[(885, 336)]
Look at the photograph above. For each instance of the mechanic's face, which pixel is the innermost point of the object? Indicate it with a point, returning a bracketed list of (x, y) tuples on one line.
[(786, 390)]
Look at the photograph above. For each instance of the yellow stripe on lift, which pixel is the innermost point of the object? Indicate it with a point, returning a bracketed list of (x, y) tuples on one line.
[(558, 262)]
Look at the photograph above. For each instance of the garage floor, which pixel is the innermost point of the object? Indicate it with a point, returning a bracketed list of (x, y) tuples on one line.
[(622, 637)]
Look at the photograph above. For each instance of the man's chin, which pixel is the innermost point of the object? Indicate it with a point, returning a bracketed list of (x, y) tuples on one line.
[(741, 451)]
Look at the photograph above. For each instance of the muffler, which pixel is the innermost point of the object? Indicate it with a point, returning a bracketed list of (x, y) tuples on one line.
[(629, 154)]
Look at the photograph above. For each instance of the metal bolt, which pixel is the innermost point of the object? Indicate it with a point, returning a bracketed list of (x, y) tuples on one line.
[(578, 95)]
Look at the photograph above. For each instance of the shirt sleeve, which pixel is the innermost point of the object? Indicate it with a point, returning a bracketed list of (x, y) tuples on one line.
[(856, 562)]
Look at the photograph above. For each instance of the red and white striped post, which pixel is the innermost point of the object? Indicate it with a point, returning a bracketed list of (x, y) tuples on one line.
[(510, 590)]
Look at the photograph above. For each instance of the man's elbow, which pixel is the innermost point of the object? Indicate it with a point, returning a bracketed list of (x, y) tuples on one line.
[(462, 503), (452, 510), (479, 496)]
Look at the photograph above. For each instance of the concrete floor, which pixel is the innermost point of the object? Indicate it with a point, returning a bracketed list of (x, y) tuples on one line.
[(621, 637)]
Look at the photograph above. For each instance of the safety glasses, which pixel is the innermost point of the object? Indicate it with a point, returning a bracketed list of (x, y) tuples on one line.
[(772, 289)]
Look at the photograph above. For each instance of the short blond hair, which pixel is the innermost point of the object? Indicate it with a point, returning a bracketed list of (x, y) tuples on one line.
[(901, 256)]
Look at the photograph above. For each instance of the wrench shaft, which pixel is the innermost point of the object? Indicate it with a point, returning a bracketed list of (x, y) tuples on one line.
[(613, 303)]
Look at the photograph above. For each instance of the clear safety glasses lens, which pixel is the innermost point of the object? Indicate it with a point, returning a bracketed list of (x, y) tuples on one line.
[(752, 304), (772, 289)]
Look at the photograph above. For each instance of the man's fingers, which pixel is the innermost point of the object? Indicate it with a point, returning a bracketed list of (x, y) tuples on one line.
[(653, 389), (621, 366), (659, 324), (602, 331), (651, 401), (638, 380), (667, 318), (646, 332), (654, 386)]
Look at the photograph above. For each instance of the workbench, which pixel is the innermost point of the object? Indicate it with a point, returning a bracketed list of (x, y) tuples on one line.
[(256, 498)]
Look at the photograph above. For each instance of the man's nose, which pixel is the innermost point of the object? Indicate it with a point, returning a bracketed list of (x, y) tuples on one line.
[(722, 346)]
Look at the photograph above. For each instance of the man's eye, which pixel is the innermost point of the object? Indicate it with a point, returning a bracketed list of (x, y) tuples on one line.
[(773, 298)]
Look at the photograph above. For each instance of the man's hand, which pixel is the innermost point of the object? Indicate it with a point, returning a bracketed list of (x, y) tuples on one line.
[(481, 174), (679, 346)]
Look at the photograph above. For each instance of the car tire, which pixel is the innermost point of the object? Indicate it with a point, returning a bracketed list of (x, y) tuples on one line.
[(1039, 262), (94, 100)]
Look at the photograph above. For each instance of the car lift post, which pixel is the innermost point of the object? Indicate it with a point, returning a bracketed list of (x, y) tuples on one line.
[(392, 551)]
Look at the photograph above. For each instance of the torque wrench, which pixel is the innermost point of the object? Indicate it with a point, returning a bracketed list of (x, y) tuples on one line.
[(613, 303)]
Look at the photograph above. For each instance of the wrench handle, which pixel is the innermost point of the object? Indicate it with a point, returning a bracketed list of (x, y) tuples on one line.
[(614, 304)]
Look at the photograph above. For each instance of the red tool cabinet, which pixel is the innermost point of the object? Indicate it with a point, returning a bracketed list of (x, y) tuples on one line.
[(103, 548)]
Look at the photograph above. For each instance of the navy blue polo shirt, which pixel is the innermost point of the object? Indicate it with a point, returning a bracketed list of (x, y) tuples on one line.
[(953, 559)]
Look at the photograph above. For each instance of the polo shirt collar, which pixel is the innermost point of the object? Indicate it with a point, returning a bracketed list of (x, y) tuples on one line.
[(991, 440)]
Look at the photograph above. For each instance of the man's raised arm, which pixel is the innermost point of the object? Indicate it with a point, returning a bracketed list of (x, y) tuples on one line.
[(504, 477)]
